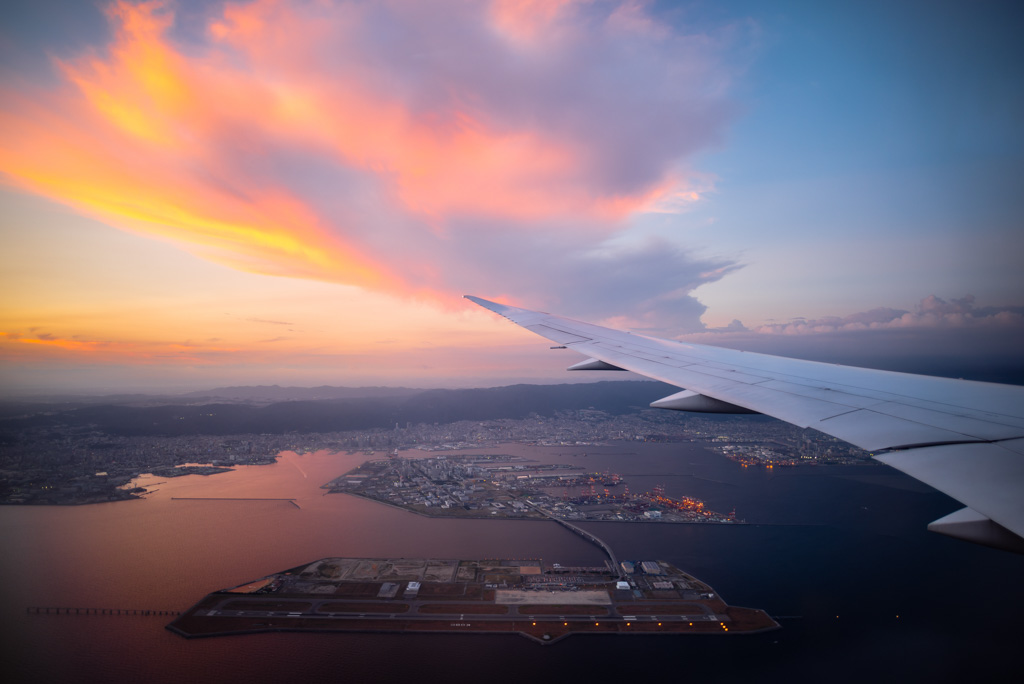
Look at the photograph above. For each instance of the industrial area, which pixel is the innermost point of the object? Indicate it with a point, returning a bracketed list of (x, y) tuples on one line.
[(505, 486)]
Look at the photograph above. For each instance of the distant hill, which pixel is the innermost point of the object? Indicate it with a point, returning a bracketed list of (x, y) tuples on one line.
[(255, 395), (275, 393), (351, 413)]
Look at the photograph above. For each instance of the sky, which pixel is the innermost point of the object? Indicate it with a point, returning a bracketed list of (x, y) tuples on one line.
[(199, 194)]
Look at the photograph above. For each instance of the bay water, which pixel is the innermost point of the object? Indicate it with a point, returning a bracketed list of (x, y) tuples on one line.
[(839, 554)]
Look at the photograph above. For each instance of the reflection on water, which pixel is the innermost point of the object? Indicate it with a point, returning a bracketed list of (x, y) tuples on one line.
[(830, 540)]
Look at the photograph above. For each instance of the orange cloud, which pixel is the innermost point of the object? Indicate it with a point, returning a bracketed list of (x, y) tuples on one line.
[(128, 146), (108, 351), (294, 139), (441, 162), (112, 363)]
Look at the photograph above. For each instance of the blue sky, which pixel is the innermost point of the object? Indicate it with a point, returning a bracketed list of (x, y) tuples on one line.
[(878, 159)]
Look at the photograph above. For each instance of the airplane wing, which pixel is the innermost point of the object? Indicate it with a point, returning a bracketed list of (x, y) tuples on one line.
[(962, 437)]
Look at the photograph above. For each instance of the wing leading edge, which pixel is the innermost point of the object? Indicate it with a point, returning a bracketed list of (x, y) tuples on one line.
[(963, 438)]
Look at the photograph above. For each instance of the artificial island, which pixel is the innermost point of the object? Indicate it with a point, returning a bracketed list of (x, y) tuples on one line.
[(506, 486), (541, 601)]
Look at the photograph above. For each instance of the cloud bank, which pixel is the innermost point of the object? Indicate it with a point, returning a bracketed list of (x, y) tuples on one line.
[(422, 148), (954, 337), (931, 312)]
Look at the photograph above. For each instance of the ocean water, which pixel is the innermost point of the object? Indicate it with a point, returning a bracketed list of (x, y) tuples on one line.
[(839, 554)]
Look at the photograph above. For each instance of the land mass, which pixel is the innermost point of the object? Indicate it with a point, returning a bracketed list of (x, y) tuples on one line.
[(89, 453)]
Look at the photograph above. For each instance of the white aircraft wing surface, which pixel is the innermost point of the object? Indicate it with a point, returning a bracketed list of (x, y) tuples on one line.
[(961, 437)]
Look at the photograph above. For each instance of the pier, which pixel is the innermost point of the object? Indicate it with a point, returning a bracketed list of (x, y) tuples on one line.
[(223, 498), (229, 498), (61, 610)]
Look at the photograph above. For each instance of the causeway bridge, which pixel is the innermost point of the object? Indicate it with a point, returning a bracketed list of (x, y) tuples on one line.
[(592, 538)]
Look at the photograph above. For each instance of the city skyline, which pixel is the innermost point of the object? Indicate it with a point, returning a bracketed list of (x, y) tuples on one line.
[(200, 194)]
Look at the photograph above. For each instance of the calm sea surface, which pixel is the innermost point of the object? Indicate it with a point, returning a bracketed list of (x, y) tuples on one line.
[(837, 552)]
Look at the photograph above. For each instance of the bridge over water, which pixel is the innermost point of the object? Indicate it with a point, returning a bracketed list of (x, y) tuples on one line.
[(590, 537)]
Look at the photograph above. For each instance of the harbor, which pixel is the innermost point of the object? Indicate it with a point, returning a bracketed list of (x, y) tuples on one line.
[(508, 486)]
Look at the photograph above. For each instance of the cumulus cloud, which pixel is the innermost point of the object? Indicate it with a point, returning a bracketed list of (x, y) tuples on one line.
[(954, 337), (734, 326), (407, 147), (931, 312), (934, 312)]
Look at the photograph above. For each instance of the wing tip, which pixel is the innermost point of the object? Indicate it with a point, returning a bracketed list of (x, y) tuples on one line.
[(501, 309)]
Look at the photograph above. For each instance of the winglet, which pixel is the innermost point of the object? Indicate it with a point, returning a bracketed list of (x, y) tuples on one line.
[(487, 304), (509, 312)]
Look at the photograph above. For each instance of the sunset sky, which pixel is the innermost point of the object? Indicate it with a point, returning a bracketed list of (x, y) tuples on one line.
[(197, 194)]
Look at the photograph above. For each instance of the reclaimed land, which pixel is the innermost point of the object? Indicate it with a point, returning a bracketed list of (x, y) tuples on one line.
[(543, 602)]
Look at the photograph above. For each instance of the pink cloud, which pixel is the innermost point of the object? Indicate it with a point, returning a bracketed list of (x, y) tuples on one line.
[(529, 20), (407, 147)]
